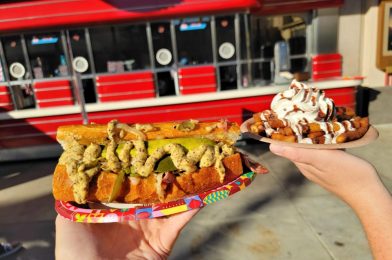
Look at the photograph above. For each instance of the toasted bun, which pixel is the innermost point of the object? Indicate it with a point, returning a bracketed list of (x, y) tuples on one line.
[(145, 190), (95, 133)]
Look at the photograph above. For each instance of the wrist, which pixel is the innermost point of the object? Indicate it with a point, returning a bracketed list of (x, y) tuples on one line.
[(374, 197)]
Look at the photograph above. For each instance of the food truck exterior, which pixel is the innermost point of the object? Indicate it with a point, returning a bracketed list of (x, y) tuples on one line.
[(73, 62)]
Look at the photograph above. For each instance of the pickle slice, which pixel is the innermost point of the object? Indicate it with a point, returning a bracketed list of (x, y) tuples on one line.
[(165, 165), (117, 186)]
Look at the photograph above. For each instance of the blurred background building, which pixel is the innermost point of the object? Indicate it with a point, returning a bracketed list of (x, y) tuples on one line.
[(72, 61)]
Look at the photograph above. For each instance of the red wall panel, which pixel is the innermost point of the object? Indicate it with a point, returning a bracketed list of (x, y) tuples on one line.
[(199, 79), (53, 93), (125, 86), (345, 97), (5, 99), (33, 131), (326, 66)]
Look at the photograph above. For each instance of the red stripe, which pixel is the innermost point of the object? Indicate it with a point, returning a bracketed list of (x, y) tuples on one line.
[(198, 81), (5, 98), (56, 103), (125, 77), (54, 83), (63, 93), (188, 91), (323, 76), (6, 107), (184, 72), (33, 131), (327, 66), (127, 97), (4, 89), (343, 96), (116, 88), (327, 57)]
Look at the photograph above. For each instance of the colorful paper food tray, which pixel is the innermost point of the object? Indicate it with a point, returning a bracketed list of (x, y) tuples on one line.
[(77, 214)]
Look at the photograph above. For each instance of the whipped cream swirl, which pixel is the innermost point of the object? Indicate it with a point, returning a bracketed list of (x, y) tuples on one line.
[(301, 104)]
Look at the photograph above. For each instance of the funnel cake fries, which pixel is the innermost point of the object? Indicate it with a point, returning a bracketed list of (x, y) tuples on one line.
[(303, 114)]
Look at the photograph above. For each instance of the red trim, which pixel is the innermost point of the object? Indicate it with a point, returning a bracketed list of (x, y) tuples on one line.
[(115, 87), (56, 93), (4, 89), (51, 13), (327, 66), (102, 79), (323, 76), (33, 131), (6, 107), (326, 57), (345, 97), (5, 98), (51, 83), (292, 6), (122, 97), (55, 103), (189, 71)]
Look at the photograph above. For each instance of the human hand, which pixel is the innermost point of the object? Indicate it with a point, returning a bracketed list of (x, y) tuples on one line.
[(341, 173), (356, 182), (143, 239)]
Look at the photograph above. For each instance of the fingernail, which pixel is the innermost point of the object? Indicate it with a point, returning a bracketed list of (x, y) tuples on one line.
[(277, 149)]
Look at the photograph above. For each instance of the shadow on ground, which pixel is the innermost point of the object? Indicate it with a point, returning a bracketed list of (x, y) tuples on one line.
[(15, 173)]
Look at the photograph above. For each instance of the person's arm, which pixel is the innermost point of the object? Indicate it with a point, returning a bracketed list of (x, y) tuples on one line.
[(356, 182), (142, 239)]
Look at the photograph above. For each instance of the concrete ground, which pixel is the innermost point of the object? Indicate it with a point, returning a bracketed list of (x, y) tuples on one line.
[(280, 215)]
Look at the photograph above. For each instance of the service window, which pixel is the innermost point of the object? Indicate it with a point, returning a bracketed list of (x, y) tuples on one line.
[(117, 49), (244, 37), (225, 38), (46, 55), (271, 38), (267, 31), (162, 44), (194, 42), (79, 51), (14, 57)]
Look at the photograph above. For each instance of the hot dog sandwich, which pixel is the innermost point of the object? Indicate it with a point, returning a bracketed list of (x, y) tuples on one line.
[(144, 163)]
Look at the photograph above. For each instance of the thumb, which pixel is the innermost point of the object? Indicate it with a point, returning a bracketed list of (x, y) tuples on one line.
[(297, 155)]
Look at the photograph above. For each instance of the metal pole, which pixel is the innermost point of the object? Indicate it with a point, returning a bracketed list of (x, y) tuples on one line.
[(175, 56), (151, 55), (77, 81), (91, 61), (238, 47), (28, 66), (214, 54), (6, 76)]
